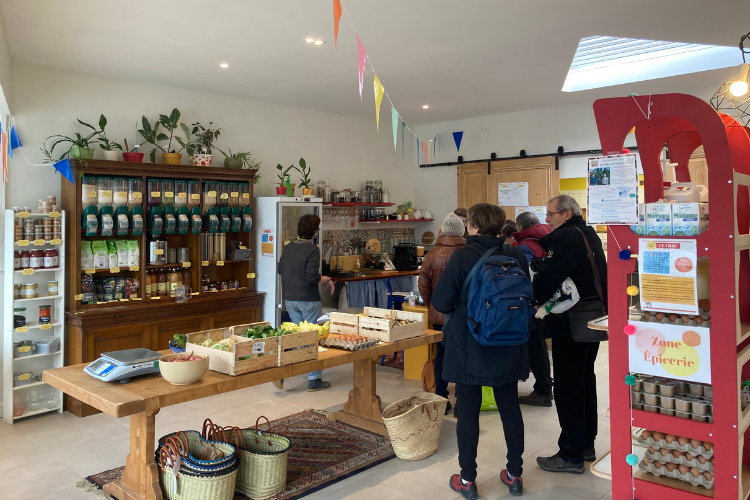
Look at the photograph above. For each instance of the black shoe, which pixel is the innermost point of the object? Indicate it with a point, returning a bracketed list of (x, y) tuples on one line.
[(468, 490), (448, 408), (515, 485), (589, 454), (536, 399), (455, 410), (317, 385), (555, 463)]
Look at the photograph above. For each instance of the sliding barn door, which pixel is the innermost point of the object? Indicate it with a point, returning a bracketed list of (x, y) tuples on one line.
[(471, 184), (540, 173)]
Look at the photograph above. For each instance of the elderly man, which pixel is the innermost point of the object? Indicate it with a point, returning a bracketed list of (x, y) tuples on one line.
[(573, 362)]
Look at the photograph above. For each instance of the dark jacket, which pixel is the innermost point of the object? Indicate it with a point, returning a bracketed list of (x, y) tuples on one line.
[(567, 258), (528, 240), (432, 268), (299, 268), (466, 361)]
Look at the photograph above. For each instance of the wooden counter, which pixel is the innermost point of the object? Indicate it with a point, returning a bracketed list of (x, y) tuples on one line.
[(378, 276), (142, 399)]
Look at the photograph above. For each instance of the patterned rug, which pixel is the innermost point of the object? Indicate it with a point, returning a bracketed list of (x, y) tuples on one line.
[(323, 453)]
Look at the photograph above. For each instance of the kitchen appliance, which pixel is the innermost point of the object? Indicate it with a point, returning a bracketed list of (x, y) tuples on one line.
[(122, 365), (275, 226), (405, 257)]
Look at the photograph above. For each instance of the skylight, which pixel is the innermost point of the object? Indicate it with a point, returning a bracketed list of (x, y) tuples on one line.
[(603, 61)]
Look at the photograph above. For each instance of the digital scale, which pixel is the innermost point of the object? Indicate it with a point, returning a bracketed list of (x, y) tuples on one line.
[(121, 365)]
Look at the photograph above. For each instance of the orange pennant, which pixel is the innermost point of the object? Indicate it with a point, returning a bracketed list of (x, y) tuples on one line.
[(336, 19)]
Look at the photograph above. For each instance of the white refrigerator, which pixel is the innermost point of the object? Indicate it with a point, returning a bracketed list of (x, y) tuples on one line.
[(275, 225)]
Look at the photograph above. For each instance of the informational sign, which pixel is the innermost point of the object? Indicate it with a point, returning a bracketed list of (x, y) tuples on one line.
[(679, 352), (513, 194), (540, 212), (668, 274), (612, 190), (267, 243)]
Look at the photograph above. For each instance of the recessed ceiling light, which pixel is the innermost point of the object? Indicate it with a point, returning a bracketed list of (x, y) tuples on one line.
[(309, 40), (319, 42), (224, 65), (425, 106)]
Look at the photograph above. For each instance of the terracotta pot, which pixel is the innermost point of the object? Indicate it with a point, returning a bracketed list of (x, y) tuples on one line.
[(201, 160), (171, 158), (281, 190), (113, 155), (307, 191), (134, 157), (232, 162), (82, 153)]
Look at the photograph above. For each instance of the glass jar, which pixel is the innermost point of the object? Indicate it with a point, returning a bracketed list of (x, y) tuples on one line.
[(180, 193), (321, 189), (104, 187), (135, 192), (386, 196), (52, 288), (16, 291), (36, 259), (16, 260), (205, 280), (50, 258), (88, 191), (19, 317), (244, 194), (223, 194), (25, 259), (234, 194), (209, 195), (120, 195), (194, 194), (29, 290), (167, 196), (45, 314), (154, 193), (377, 186), (19, 404), (368, 185)]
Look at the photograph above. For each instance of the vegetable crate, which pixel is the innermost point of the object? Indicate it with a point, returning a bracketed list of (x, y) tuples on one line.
[(344, 323), (260, 353), (380, 324), (298, 347)]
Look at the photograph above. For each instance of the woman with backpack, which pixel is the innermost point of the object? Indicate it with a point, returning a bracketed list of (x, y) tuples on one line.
[(471, 365)]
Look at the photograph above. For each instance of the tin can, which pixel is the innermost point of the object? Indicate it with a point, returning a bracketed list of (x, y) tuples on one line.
[(52, 288), (45, 314)]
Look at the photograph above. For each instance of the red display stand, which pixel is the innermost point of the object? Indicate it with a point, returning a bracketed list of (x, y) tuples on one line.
[(683, 123)]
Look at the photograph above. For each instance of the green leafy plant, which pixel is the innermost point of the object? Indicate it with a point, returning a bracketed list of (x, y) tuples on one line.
[(104, 142), (170, 123), (77, 140), (205, 137), (247, 161), (283, 172), (305, 171)]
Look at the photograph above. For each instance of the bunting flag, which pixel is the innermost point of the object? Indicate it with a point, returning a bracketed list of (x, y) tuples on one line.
[(63, 166), (394, 119), (336, 19), (361, 60), (4, 149), (15, 142), (378, 98), (425, 151), (457, 136), (403, 145)]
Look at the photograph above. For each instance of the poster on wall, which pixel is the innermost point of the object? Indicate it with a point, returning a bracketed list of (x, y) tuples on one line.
[(668, 274), (679, 352), (266, 243), (513, 194), (540, 212), (612, 190)]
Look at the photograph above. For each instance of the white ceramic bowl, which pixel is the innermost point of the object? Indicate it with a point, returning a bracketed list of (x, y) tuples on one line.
[(185, 373)]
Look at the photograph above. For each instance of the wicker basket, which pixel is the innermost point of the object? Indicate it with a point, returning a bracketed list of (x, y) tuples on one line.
[(414, 425)]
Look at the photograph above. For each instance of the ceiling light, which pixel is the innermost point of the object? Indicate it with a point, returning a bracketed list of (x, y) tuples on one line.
[(425, 106), (309, 40), (224, 65), (740, 87), (319, 42)]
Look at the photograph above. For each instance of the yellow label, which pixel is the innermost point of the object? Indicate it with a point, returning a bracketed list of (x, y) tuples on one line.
[(38, 242), (187, 264), (246, 195), (204, 263), (135, 268), (54, 215), (124, 300), (219, 262), (78, 297), (23, 329), (90, 271), (159, 251), (56, 241), (250, 275), (182, 195), (243, 247), (114, 269), (224, 196), (25, 376), (137, 195), (155, 194), (23, 215), (105, 193), (196, 293), (211, 194), (169, 194), (91, 194), (135, 298), (46, 327), (28, 271), (22, 243), (195, 196), (235, 194), (651, 245), (155, 298), (101, 302)]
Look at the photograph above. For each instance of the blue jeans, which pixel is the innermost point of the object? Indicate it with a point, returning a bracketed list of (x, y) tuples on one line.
[(300, 311)]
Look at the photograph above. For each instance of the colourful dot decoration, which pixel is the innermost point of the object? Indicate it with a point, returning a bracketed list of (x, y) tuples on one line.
[(631, 460), (632, 290), (630, 380), (624, 254), (629, 329)]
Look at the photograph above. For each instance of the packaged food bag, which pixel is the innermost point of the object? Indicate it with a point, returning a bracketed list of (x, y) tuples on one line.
[(123, 256), (101, 257), (488, 399), (87, 256), (134, 253), (111, 254)]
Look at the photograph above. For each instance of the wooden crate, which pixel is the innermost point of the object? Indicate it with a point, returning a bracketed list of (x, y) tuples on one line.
[(297, 347), (376, 323), (344, 323), (240, 329), (229, 362)]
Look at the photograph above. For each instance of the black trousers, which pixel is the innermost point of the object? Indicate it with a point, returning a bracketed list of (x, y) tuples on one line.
[(575, 395), (469, 399), (539, 361), (441, 386)]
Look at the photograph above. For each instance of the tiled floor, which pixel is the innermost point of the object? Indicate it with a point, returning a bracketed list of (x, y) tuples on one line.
[(43, 457)]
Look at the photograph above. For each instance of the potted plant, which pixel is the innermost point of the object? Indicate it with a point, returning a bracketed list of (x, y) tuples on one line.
[(80, 146), (281, 189), (153, 136), (204, 142), (109, 147), (132, 154), (241, 160), (305, 181)]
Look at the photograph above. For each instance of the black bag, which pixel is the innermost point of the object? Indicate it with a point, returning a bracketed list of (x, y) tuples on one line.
[(588, 309)]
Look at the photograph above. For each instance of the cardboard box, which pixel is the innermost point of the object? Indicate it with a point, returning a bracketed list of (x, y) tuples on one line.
[(659, 219), (640, 228), (687, 219)]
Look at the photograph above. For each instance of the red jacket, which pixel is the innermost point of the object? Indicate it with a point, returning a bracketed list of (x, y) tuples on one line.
[(530, 238), (432, 267)]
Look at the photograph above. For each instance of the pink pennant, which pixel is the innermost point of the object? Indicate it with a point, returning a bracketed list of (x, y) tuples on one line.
[(425, 147), (361, 60)]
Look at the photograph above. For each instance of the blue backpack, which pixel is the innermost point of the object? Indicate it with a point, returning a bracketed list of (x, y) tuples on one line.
[(499, 309)]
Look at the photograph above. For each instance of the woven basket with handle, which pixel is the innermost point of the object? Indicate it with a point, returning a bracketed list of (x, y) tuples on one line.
[(181, 479), (414, 425)]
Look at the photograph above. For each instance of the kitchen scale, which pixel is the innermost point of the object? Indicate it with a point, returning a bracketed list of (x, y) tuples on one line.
[(122, 365)]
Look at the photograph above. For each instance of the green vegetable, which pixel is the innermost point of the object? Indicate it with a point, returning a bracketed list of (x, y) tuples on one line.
[(180, 340), (220, 347)]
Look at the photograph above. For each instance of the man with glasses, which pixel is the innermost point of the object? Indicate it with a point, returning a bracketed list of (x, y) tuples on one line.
[(573, 362)]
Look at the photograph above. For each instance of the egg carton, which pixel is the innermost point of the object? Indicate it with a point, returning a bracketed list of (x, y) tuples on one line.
[(685, 448), (665, 321), (675, 474), (682, 460), (349, 346)]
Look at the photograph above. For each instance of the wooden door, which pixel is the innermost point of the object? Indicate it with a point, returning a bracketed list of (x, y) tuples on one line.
[(237, 317), (471, 184), (116, 338), (164, 331), (540, 173)]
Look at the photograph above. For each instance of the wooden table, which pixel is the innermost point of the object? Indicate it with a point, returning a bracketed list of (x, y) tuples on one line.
[(142, 399)]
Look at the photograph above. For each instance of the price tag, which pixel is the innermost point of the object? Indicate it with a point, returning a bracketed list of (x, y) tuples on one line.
[(169, 194), (22, 243), (155, 298), (25, 376), (250, 275), (56, 241), (135, 268), (219, 263), (38, 242), (235, 194), (105, 194), (195, 196), (28, 271), (78, 297), (114, 269), (54, 215), (135, 298), (259, 347), (196, 293), (204, 263), (101, 302), (124, 300), (224, 196), (211, 194), (91, 194), (137, 195), (243, 247), (187, 264), (90, 271), (182, 195), (159, 251), (155, 194), (23, 329), (23, 215), (46, 327), (246, 195)]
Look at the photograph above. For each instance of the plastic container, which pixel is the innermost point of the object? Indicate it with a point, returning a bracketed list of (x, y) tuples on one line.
[(683, 415), (89, 194), (244, 194), (104, 187), (651, 409), (210, 195), (194, 194), (234, 194), (222, 189), (683, 405), (667, 389), (685, 192), (167, 195), (120, 192), (666, 411), (154, 191), (651, 399), (666, 402), (696, 389), (649, 387), (636, 397), (135, 192), (180, 193)]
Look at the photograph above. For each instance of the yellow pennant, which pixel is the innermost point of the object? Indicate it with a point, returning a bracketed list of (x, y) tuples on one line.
[(378, 97)]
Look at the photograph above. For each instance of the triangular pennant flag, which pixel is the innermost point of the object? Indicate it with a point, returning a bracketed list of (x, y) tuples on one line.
[(403, 145), (4, 149), (63, 166), (457, 136), (336, 19), (378, 97), (361, 60), (15, 142), (425, 151), (394, 119)]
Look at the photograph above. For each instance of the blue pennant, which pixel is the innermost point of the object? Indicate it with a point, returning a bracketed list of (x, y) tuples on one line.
[(63, 166), (457, 136)]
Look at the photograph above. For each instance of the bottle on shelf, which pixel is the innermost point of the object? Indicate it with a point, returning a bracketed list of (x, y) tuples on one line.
[(328, 191), (288, 184), (162, 284), (147, 285)]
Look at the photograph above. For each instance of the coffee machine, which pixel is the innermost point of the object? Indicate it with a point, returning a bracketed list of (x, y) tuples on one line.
[(405, 257)]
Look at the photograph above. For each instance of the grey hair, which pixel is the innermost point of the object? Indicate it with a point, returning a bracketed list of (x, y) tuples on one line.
[(565, 202), (526, 220)]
